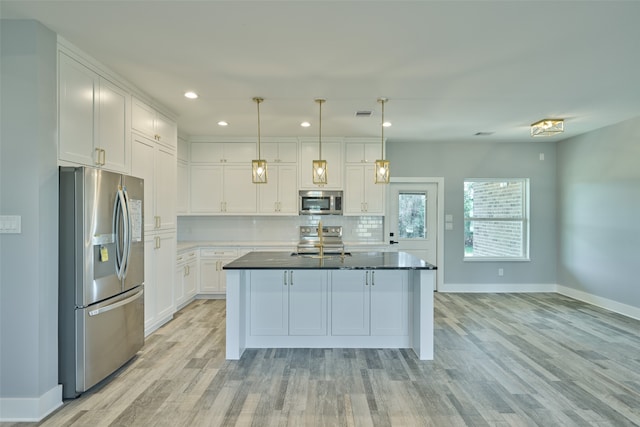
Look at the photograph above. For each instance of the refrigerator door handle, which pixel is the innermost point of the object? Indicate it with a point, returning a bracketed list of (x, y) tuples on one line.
[(120, 211), (116, 305), (127, 233)]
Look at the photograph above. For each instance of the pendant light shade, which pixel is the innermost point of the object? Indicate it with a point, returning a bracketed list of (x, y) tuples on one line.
[(259, 166), (382, 166), (320, 166)]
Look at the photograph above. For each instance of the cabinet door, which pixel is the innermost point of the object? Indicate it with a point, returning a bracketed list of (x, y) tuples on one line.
[(205, 183), (363, 152), (77, 88), (240, 152), (288, 189), (268, 302), (165, 191), (166, 131), (240, 193), (180, 277), (280, 194), (190, 284), (389, 302), (207, 152), (182, 189), (374, 194), (350, 302), (209, 277), (143, 118), (332, 153), (307, 302), (143, 166), (165, 257), (113, 134), (353, 190), (268, 193), (150, 284)]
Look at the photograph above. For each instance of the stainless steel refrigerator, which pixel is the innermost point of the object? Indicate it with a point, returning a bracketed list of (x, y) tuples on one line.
[(101, 275)]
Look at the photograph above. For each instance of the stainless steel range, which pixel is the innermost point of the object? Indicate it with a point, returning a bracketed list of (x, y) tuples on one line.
[(329, 238)]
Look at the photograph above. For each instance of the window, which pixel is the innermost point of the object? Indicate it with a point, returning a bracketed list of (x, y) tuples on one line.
[(412, 215), (496, 224)]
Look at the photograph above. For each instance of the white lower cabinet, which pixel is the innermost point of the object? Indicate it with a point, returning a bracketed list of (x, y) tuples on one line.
[(369, 302), (186, 283), (288, 302), (212, 276), (159, 265)]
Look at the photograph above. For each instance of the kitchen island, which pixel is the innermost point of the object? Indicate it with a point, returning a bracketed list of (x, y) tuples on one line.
[(359, 300)]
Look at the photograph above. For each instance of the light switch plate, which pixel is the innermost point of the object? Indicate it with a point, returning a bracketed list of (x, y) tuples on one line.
[(448, 218), (10, 224), (448, 226)]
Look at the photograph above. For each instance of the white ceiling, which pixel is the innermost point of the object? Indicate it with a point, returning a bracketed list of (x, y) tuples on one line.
[(449, 68)]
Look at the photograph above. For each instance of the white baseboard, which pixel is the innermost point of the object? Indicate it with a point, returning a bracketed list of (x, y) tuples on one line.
[(616, 307), (497, 287), (30, 409)]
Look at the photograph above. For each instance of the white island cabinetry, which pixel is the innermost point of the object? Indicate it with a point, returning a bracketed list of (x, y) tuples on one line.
[(288, 302), (367, 300)]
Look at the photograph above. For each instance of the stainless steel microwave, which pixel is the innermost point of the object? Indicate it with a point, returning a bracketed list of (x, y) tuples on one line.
[(320, 202)]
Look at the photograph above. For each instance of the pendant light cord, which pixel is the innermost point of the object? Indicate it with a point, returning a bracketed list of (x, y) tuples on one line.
[(382, 100), (258, 101)]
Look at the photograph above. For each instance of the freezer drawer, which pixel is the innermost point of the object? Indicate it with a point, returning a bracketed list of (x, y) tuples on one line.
[(109, 334)]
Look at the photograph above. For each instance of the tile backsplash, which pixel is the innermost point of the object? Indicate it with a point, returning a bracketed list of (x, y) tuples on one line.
[(355, 229)]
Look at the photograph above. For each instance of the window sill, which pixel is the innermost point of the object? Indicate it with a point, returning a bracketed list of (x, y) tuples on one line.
[(495, 259)]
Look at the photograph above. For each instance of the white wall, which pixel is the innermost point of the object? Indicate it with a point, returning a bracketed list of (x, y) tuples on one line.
[(457, 161), (29, 188), (599, 211)]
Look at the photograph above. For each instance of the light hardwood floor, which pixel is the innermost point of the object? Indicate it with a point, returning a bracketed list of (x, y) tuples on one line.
[(500, 360)]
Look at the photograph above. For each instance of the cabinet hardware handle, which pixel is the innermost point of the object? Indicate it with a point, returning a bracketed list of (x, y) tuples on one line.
[(157, 243), (366, 278), (291, 278), (284, 278), (373, 280)]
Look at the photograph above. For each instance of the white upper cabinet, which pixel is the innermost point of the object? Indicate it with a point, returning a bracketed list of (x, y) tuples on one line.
[(156, 164), (93, 118), (362, 195), (331, 152), (279, 152), (223, 152), (222, 189), (363, 152), (279, 196), (153, 124)]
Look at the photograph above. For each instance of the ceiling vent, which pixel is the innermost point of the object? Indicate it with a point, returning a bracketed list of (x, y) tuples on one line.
[(363, 113), (483, 133)]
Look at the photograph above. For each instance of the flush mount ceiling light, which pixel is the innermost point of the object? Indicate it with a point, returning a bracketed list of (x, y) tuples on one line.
[(320, 166), (547, 127), (382, 166), (190, 95), (223, 123), (258, 167)]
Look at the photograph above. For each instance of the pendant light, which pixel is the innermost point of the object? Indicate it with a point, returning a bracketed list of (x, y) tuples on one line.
[(320, 166), (382, 166), (259, 167)]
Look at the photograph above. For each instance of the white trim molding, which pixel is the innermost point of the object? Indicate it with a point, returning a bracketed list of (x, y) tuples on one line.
[(498, 287), (30, 409), (615, 306)]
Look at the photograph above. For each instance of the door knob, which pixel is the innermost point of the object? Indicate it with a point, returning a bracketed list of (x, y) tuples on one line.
[(393, 242)]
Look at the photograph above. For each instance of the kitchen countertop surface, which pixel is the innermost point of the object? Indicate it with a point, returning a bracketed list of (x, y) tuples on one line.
[(356, 261), (196, 244)]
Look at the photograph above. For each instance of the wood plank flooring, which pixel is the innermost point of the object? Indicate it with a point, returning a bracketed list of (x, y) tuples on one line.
[(500, 360)]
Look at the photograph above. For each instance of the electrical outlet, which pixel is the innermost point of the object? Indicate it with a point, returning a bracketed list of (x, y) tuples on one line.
[(500, 272)]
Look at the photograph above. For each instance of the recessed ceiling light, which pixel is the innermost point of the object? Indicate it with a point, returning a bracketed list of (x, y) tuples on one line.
[(222, 123), (305, 124), (190, 95), (386, 124)]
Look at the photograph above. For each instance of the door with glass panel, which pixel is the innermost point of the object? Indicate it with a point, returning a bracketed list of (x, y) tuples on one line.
[(412, 219)]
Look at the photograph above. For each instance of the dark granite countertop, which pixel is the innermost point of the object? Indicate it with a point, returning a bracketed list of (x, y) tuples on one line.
[(356, 261)]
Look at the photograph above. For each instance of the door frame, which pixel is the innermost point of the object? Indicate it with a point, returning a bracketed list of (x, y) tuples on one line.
[(439, 182)]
